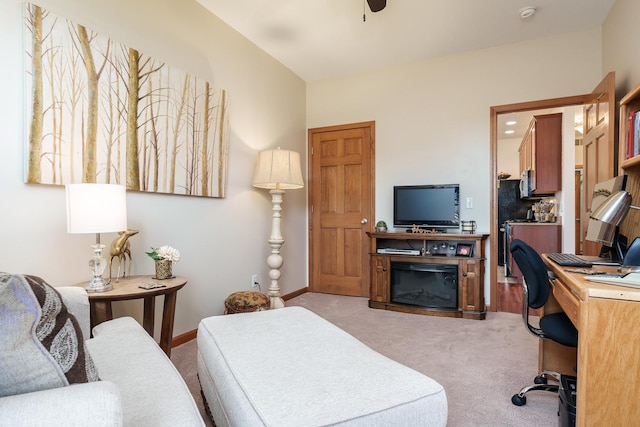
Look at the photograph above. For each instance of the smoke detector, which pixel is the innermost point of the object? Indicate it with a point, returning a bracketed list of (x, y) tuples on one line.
[(527, 12)]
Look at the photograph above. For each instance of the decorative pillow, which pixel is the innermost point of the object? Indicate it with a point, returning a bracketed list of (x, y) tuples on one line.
[(41, 343)]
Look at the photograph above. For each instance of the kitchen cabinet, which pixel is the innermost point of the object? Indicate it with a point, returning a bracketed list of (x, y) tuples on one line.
[(543, 237), (526, 150), (541, 153)]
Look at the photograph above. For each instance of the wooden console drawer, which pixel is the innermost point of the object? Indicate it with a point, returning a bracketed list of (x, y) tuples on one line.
[(568, 301)]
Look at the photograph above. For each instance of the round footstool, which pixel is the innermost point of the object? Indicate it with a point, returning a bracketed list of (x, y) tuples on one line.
[(245, 302)]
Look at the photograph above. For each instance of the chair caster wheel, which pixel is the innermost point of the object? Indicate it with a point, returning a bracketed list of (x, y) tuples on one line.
[(519, 400), (540, 380)]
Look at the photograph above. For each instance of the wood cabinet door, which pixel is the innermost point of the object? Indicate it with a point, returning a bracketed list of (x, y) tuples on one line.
[(341, 208), (472, 295), (531, 156), (547, 149), (380, 286), (544, 238), (526, 151), (598, 118)]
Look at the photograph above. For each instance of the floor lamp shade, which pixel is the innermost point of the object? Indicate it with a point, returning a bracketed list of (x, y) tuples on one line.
[(278, 169), (96, 208)]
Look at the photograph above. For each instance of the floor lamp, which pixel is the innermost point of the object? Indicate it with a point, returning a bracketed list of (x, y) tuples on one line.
[(277, 170), (96, 208)]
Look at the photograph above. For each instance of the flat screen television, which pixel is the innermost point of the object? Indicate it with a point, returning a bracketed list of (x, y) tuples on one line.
[(429, 206)]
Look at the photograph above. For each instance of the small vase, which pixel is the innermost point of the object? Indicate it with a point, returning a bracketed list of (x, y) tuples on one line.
[(163, 269)]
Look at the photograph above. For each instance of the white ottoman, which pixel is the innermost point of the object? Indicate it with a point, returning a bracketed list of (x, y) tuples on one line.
[(290, 367)]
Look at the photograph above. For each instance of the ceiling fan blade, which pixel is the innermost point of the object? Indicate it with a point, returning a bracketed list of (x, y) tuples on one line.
[(377, 5)]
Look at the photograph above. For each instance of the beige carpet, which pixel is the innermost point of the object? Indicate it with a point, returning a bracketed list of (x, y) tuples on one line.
[(480, 363)]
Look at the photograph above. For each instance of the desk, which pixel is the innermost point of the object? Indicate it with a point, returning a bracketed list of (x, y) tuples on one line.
[(608, 357), (128, 289)]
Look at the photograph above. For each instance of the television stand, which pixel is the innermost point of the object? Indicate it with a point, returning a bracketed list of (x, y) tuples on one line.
[(465, 252)]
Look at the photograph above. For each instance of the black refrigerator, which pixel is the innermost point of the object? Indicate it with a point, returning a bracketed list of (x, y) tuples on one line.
[(510, 207)]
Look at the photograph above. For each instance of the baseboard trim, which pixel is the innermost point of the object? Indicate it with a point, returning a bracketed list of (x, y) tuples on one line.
[(183, 338), (294, 294), (190, 335)]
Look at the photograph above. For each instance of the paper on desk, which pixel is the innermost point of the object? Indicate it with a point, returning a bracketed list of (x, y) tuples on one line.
[(631, 280)]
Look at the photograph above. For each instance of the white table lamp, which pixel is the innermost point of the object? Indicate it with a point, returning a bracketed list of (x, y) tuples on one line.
[(96, 208), (277, 170)]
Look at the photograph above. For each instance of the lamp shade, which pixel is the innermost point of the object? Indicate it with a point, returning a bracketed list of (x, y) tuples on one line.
[(614, 208), (96, 208), (278, 169)]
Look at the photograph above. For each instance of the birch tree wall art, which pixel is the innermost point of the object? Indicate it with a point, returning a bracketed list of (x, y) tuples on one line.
[(107, 113)]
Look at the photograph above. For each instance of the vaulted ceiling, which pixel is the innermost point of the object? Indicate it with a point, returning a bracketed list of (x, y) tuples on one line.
[(320, 39)]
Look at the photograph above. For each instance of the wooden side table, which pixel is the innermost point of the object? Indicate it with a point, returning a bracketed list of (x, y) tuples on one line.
[(129, 289)]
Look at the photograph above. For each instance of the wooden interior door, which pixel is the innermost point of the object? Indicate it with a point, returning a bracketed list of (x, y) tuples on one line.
[(577, 185), (598, 118), (341, 207)]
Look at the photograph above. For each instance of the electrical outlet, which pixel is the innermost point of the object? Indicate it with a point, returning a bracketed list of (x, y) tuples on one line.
[(469, 202), (254, 281)]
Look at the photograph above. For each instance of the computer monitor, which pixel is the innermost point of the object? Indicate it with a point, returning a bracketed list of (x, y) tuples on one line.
[(614, 244)]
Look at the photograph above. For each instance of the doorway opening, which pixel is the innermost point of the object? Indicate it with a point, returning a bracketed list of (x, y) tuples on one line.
[(506, 292)]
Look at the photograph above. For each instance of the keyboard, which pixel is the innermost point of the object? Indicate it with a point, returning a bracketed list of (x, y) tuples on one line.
[(569, 260)]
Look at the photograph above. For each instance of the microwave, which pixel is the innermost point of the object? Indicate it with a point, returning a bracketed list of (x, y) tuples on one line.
[(525, 184)]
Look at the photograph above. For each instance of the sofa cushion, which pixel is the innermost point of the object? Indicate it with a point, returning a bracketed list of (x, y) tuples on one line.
[(41, 345), (153, 391), (93, 404)]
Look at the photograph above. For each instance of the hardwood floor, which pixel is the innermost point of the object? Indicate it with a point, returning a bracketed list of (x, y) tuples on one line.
[(510, 294)]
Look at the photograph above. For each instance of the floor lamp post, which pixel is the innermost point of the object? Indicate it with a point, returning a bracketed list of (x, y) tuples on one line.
[(277, 170)]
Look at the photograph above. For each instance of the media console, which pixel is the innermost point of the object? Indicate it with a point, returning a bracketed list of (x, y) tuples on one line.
[(439, 274)]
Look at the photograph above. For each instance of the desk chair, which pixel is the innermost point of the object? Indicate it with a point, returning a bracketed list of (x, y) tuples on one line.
[(535, 291)]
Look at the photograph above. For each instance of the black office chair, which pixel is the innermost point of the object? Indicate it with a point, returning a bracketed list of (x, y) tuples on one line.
[(557, 326)]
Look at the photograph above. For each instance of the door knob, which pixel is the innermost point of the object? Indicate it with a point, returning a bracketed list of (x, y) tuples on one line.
[(363, 221)]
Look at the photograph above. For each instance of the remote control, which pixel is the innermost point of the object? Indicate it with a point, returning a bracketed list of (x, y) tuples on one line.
[(152, 286)]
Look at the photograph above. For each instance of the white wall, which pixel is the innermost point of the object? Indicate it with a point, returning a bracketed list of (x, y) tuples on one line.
[(432, 116), (620, 35), (509, 157), (222, 241)]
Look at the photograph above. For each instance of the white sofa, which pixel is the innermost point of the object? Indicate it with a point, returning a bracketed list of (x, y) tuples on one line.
[(138, 386), (290, 367)]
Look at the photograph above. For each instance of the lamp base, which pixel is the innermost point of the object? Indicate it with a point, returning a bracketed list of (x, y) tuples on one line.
[(97, 265), (276, 302), (97, 285)]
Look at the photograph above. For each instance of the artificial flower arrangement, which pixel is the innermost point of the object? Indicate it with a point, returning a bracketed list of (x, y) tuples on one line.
[(164, 252)]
